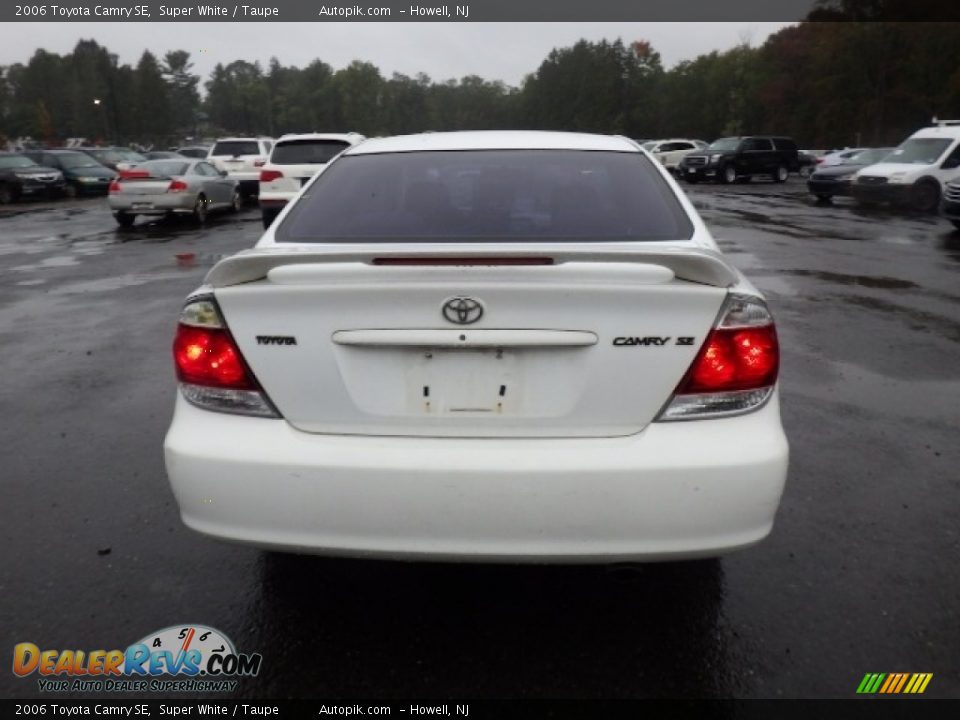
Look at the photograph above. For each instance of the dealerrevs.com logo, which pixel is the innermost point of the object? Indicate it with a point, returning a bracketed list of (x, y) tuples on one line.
[(201, 658)]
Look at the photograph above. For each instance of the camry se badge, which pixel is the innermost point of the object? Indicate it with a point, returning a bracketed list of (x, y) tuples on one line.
[(622, 341)]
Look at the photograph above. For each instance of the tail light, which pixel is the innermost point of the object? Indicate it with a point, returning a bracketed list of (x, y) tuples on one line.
[(210, 367), (114, 186), (736, 368), (269, 175), (177, 186)]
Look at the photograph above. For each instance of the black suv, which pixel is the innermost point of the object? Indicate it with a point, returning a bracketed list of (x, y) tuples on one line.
[(734, 158)]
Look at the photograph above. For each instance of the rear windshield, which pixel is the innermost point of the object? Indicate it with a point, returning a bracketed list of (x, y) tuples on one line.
[(488, 195), (164, 168), (306, 152), (234, 148)]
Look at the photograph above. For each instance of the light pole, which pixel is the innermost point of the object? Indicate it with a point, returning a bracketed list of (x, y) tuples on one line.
[(103, 116)]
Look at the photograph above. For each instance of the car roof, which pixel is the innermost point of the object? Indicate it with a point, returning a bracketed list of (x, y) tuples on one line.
[(494, 140), (345, 137), (241, 139), (951, 132)]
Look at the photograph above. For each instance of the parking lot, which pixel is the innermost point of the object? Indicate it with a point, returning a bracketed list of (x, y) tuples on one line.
[(858, 576)]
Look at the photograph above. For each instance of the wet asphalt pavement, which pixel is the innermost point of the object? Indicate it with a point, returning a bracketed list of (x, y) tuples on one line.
[(859, 575)]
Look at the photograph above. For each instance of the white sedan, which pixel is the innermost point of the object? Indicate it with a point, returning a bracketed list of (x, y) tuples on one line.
[(513, 346)]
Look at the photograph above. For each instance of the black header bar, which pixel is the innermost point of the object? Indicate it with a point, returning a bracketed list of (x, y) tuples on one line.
[(477, 10)]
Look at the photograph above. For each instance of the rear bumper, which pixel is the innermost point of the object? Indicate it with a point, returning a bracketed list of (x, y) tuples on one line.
[(676, 490), (274, 200), (152, 204)]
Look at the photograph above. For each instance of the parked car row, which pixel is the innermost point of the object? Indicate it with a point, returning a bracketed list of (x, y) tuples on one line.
[(922, 173), (833, 179)]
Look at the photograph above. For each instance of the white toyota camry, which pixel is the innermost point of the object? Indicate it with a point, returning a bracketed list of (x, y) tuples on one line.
[(481, 346)]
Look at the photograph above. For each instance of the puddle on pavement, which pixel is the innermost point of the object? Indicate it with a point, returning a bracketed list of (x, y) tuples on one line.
[(882, 282), (57, 261), (919, 320), (118, 282)]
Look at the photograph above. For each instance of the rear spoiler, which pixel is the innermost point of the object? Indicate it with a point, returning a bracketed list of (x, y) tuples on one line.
[(693, 264)]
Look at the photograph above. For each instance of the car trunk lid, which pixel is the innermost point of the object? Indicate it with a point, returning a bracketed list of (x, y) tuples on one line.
[(582, 346)]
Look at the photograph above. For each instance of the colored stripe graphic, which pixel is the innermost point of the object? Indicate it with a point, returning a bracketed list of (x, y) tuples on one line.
[(894, 683)]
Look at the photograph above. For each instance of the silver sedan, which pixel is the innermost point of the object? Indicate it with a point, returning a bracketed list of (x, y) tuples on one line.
[(166, 187)]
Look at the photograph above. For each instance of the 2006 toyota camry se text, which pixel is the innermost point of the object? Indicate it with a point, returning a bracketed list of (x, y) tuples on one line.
[(481, 346)]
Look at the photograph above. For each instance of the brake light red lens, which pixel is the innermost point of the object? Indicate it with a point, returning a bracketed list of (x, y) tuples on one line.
[(734, 359), (209, 357), (126, 174), (268, 175), (114, 186), (176, 186)]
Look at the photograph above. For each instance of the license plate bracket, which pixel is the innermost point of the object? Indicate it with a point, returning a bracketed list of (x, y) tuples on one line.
[(455, 381)]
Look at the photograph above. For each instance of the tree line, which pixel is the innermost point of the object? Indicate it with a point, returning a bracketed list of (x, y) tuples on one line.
[(825, 83)]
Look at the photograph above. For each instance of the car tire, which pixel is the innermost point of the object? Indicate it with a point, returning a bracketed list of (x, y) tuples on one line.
[(824, 198), (6, 195), (200, 209), (693, 180), (236, 202), (781, 174), (124, 219), (805, 171), (727, 175), (956, 224), (925, 196), (70, 191)]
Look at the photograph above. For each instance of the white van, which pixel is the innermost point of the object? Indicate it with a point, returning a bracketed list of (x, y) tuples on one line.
[(915, 172)]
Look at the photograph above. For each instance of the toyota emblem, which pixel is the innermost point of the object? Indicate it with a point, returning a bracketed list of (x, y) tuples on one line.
[(462, 310)]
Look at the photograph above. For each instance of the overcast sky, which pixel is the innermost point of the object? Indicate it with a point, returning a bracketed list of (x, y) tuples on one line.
[(494, 51)]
